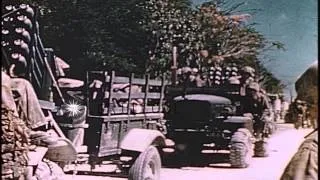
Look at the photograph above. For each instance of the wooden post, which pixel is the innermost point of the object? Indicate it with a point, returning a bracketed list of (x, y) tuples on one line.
[(145, 100), (147, 79), (130, 93), (111, 92), (162, 93), (87, 94), (174, 66)]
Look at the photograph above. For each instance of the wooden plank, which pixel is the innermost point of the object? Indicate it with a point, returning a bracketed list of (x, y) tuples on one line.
[(116, 110), (82, 149), (151, 109), (66, 125), (47, 105), (123, 110), (132, 117), (153, 82), (116, 118), (134, 95), (135, 81)]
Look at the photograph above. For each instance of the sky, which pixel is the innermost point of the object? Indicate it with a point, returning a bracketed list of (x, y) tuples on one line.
[(292, 22)]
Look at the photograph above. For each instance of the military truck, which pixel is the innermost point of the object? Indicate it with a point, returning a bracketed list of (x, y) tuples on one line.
[(129, 135), (207, 117)]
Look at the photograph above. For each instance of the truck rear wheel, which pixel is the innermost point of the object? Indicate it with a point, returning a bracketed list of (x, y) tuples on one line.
[(241, 149), (147, 166)]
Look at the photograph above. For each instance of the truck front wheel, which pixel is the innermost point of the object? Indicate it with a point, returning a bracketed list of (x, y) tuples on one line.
[(147, 166), (241, 149)]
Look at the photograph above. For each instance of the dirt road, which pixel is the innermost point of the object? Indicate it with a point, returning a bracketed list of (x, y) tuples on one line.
[(283, 145)]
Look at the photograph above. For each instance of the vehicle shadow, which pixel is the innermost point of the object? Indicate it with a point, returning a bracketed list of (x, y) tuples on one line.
[(213, 159)]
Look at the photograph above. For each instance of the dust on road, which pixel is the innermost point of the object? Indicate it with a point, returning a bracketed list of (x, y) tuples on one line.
[(283, 145)]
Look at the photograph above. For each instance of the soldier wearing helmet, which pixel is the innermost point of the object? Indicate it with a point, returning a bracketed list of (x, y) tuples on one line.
[(190, 77), (257, 106), (247, 76)]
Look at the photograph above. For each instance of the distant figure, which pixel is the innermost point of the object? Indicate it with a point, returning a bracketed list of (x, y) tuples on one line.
[(277, 108), (284, 109)]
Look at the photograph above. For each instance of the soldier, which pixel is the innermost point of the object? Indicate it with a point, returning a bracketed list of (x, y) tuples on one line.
[(195, 78), (300, 109), (257, 105), (191, 78), (31, 113), (27, 100), (304, 164), (247, 76), (18, 95)]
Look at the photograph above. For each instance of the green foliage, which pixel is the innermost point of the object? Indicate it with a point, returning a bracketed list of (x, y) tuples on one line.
[(138, 36)]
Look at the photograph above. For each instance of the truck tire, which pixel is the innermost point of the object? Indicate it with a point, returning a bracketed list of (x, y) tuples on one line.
[(241, 149), (48, 170), (261, 149), (270, 129), (147, 166)]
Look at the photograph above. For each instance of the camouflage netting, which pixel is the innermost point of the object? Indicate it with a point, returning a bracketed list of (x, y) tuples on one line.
[(14, 145)]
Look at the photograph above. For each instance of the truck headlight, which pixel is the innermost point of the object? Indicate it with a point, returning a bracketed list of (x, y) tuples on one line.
[(72, 109)]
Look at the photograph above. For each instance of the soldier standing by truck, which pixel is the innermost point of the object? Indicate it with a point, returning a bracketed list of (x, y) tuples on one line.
[(258, 108), (29, 110), (257, 105)]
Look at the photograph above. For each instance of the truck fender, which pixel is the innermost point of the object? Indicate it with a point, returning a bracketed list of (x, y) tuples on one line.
[(246, 121), (140, 139), (62, 151)]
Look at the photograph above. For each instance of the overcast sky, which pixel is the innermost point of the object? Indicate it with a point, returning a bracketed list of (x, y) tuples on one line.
[(294, 23)]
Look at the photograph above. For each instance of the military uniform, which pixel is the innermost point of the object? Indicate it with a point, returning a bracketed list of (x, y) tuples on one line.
[(28, 105), (247, 77), (259, 107), (304, 164)]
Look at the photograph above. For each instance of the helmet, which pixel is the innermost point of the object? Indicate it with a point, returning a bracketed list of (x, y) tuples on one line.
[(248, 69), (186, 70), (234, 80), (194, 70)]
